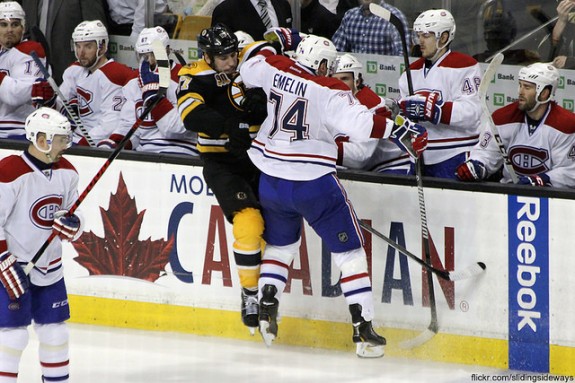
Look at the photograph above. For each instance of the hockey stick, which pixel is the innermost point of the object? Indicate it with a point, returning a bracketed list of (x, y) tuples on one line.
[(483, 87), (65, 102), (180, 58), (433, 327), (468, 272), (164, 81)]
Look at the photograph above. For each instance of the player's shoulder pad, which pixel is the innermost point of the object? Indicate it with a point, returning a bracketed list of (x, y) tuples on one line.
[(509, 114), (117, 73), (252, 49), (64, 164), (561, 119), (13, 167), (458, 60), (330, 82), (29, 46), (195, 68)]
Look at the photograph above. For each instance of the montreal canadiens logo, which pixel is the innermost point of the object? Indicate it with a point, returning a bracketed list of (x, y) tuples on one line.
[(42, 211), (528, 160)]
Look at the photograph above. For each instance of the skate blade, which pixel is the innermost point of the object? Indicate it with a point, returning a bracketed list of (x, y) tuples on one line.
[(367, 350), (252, 330), (267, 336)]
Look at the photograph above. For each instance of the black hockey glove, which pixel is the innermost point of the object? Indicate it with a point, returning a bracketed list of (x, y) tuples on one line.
[(239, 139), (255, 105)]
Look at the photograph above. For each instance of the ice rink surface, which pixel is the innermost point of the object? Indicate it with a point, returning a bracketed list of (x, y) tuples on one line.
[(117, 355)]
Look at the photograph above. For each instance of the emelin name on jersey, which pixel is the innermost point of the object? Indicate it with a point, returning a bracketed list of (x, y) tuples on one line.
[(290, 85)]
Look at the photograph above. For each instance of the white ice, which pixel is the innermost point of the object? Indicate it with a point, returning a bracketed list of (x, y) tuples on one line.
[(117, 355)]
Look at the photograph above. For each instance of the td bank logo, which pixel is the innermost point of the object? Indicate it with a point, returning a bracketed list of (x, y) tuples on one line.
[(381, 90), (193, 53), (569, 104), (561, 83), (371, 66), (113, 47), (498, 99)]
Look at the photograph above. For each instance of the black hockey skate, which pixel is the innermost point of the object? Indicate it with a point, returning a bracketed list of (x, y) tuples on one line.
[(268, 314), (369, 344), (250, 309)]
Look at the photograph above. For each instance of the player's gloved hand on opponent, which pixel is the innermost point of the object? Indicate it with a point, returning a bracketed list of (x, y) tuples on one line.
[(239, 139), (288, 38), (66, 225), (43, 94), (149, 82), (409, 136), (540, 179), (419, 107), (12, 276), (255, 105), (471, 170)]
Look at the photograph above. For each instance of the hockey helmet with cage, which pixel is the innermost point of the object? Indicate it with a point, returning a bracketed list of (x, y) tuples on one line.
[(148, 35), (51, 123), (217, 40), (348, 63), (12, 10), (313, 50), (435, 21), (93, 30), (543, 75)]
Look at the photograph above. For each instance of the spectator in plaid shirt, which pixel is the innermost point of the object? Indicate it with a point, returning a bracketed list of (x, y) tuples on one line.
[(361, 31)]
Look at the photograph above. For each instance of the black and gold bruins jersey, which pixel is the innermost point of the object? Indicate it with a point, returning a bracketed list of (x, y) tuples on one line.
[(206, 99)]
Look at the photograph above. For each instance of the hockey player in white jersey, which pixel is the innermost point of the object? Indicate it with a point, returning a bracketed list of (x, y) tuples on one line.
[(446, 101), (37, 188), (295, 150), (539, 135), (93, 84), (382, 156), (18, 71), (163, 130)]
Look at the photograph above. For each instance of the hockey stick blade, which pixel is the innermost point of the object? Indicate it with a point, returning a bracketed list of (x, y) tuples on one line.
[(164, 82), (386, 15), (483, 87), (468, 272), (422, 338)]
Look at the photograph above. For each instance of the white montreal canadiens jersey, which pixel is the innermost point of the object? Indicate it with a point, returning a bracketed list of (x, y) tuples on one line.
[(16, 88), (98, 96), (29, 200), (305, 114), (548, 147), (375, 154), (168, 134), (456, 77)]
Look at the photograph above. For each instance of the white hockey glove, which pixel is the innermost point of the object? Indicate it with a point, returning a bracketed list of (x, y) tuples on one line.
[(66, 225), (12, 276), (409, 136)]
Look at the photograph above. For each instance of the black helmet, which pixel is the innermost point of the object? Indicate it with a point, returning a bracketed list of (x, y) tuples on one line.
[(217, 40)]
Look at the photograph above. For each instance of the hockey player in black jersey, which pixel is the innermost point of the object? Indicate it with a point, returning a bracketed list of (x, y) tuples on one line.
[(213, 103)]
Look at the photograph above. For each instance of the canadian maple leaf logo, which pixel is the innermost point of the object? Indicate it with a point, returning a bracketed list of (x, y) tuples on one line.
[(120, 252)]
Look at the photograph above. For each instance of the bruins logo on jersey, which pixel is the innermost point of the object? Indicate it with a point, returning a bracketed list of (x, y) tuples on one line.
[(236, 93)]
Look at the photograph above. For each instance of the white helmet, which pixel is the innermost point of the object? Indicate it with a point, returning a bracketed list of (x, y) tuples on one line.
[(12, 10), (542, 75), (435, 21), (145, 38), (91, 31), (244, 39), (348, 63), (313, 50), (48, 121)]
